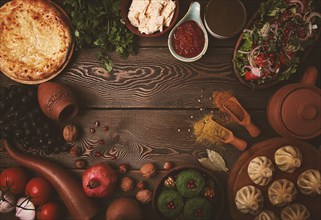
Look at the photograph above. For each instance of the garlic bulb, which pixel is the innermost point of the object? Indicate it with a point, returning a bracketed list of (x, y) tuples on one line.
[(25, 209), (7, 202)]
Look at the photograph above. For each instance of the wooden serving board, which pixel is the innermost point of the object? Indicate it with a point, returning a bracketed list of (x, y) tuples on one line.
[(239, 177)]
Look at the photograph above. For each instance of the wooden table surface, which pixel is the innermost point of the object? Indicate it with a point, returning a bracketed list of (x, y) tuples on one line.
[(150, 102)]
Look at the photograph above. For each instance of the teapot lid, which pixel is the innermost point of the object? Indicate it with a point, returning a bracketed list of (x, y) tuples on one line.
[(301, 112)]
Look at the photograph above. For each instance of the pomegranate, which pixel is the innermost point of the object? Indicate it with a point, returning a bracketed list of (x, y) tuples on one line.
[(99, 180)]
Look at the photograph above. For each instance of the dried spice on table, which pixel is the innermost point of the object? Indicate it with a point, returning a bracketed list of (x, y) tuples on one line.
[(207, 129)]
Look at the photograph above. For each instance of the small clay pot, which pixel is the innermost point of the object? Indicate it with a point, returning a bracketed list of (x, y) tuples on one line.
[(57, 101), (295, 110)]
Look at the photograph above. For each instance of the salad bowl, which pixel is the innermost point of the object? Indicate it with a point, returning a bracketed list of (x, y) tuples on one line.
[(275, 41)]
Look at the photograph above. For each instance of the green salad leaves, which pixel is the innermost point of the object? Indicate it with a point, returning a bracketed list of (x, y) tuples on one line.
[(275, 44), (98, 24)]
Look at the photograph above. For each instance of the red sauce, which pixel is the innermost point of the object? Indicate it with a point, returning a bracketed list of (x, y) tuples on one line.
[(188, 39)]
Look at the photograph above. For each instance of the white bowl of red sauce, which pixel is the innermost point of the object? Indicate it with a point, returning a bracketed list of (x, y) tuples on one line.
[(188, 40)]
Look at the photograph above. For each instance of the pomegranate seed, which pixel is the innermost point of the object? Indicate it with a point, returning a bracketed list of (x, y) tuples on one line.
[(106, 128), (101, 141), (97, 123), (92, 130)]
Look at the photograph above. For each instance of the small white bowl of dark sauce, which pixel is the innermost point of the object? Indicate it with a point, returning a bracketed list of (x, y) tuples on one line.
[(188, 40), (224, 18)]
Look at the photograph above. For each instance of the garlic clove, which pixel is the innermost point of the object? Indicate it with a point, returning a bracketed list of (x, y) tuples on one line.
[(25, 209), (7, 202)]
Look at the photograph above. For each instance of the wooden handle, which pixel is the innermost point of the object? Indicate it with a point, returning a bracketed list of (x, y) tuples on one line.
[(310, 76), (239, 143), (253, 130)]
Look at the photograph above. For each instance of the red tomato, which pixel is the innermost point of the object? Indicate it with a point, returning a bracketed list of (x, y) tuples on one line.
[(39, 190), (250, 76), (50, 211), (14, 179)]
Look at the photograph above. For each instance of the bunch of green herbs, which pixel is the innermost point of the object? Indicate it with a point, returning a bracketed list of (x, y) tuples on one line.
[(98, 24)]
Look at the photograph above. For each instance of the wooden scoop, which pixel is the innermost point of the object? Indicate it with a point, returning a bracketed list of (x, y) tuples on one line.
[(230, 139), (240, 115)]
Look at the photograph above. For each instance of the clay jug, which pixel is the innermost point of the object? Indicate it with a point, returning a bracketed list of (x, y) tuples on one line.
[(57, 101), (295, 110)]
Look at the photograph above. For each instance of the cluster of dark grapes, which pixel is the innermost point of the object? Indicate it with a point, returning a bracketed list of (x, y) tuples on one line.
[(23, 122)]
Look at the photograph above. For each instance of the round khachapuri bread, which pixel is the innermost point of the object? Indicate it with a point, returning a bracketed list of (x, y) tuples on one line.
[(35, 39)]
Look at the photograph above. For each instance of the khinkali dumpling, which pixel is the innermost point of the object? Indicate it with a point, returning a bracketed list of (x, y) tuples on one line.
[(281, 192), (309, 182), (266, 215), (288, 158), (249, 199), (260, 170), (295, 212)]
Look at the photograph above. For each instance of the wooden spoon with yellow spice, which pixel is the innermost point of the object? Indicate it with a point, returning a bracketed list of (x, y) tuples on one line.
[(213, 132)]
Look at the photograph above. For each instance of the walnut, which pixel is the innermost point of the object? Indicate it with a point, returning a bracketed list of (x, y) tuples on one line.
[(144, 196), (126, 184), (148, 170), (70, 133)]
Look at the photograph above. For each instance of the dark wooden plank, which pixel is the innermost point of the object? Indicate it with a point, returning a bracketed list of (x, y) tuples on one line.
[(139, 136), (155, 79)]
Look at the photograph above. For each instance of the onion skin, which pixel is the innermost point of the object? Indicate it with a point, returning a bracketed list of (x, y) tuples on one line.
[(69, 188)]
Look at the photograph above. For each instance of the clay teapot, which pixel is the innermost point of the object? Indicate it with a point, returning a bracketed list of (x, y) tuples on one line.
[(57, 101), (294, 110)]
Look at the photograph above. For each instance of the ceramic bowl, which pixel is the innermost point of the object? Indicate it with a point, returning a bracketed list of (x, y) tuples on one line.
[(218, 200), (224, 19), (124, 8), (193, 13)]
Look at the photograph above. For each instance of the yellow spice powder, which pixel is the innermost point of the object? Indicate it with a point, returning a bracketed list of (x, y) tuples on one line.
[(209, 130)]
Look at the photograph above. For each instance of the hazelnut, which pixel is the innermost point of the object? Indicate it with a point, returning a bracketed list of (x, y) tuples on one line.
[(126, 184), (70, 133), (141, 185), (75, 151), (123, 168), (148, 170), (80, 163), (168, 165), (144, 196)]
